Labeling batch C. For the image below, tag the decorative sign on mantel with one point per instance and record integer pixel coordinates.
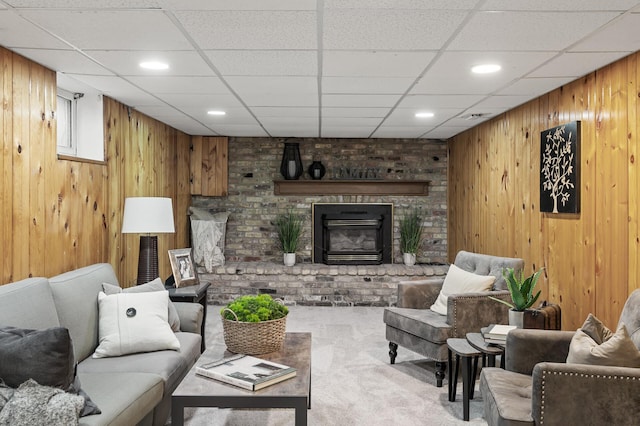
(351, 187)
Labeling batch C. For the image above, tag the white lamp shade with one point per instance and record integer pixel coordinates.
(148, 215)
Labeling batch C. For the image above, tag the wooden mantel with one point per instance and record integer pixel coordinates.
(350, 187)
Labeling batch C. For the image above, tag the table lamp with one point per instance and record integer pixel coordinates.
(148, 215)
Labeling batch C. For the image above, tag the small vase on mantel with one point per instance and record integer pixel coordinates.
(289, 259)
(316, 170)
(516, 318)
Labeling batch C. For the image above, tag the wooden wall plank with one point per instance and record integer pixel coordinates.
(591, 259)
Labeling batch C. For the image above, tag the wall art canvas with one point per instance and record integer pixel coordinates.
(559, 169)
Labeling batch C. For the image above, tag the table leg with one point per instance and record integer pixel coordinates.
(452, 395)
(177, 413)
(203, 302)
(474, 373)
(466, 382)
(492, 360)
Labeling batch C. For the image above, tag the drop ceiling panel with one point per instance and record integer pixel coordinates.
(201, 102)
(379, 85)
(110, 29)
(624, 36)
(575, 64)
(528, 31)
(127, 63)
(445, 132)
(534, 86)
(434, 102)
(346, 132)
(559, 5)
(451, 74)
(292, 130)
(118, 89)
(70, 60)
(384, 29)
(17, 32)
(83, 4)
(184, 85)
(406, 117)
(251, 29)
(350, 121)
(291, 112)
(399, 132)
(246, 130)
(240, 4)
(264, 62)
(355, 112)
(359, 100)
(375, 63)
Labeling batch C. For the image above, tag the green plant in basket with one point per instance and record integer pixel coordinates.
(521, 289)
(254, 308)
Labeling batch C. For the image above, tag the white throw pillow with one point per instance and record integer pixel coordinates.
(460, 281)
(155, 285)
(133, 322)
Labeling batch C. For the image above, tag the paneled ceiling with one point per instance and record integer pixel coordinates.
(322, 68)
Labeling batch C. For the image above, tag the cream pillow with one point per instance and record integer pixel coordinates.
(460, 281)
(155, 285)
(616, 349)
(133, 322)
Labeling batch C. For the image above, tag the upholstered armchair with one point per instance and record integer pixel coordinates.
(539, 387)
(413, 325)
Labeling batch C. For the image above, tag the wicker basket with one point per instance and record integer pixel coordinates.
(254, 338)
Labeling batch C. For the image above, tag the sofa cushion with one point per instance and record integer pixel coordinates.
(630, 316)
(43, 355)
(134, 322)
(76, 298)
(595, 344)
(155, 285)
(28, 304)
(125, 398)
(459, 281)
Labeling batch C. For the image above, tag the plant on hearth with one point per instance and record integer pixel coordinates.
(289, 228)
(520, 288)
(410, 236)
(254, 308)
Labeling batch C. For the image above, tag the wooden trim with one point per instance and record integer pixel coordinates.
(80, 159)
(350, 187)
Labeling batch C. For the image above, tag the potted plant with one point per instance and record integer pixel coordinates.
(410, 236)
(289, 227)
(521, 290)
(254, 324)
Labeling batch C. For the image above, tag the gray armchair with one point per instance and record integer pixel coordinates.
(416, 327)
(537, 386)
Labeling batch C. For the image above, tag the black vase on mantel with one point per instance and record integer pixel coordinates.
(291, 165)
(316, 170)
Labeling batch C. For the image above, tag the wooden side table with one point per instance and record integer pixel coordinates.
(194, 294)
(462, 349)
(491, 351)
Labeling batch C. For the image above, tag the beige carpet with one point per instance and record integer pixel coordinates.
(352, 380)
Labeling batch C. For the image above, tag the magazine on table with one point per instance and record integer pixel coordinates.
(246, 371)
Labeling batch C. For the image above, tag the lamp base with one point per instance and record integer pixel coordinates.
(148, 259)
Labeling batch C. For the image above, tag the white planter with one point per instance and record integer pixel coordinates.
(289, 259)
(516, 318)
(409, 258)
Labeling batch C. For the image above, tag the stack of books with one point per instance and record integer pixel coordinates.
(496, 334)
(246, 371)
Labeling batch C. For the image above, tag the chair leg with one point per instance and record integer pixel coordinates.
(393, 352)
(440, 369)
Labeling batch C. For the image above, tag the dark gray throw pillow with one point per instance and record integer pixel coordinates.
(45, 356)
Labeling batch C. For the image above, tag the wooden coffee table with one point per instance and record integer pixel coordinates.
(198, 391)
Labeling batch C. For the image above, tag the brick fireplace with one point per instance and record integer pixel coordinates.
(254, 165)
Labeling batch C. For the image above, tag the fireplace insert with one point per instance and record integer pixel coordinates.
(352, 234)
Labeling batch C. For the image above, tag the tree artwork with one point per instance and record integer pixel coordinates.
(559, 175)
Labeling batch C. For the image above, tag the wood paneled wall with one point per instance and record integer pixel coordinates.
(57, 215)
(591, 259)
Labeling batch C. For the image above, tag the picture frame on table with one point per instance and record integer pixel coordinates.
(184, 270)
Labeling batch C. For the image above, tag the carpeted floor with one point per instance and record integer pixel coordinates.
(352, 380)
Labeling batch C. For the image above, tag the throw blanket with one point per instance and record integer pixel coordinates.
(35, 405)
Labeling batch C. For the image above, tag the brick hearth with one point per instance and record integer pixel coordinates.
(316, 284)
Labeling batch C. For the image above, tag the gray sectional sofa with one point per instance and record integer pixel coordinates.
(130, 389)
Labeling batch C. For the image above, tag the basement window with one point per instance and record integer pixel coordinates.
(79, 121)
(67, 116)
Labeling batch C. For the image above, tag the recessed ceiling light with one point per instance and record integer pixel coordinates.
(154, 65)
(486, 68)
(424, 114)
(216, 112)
